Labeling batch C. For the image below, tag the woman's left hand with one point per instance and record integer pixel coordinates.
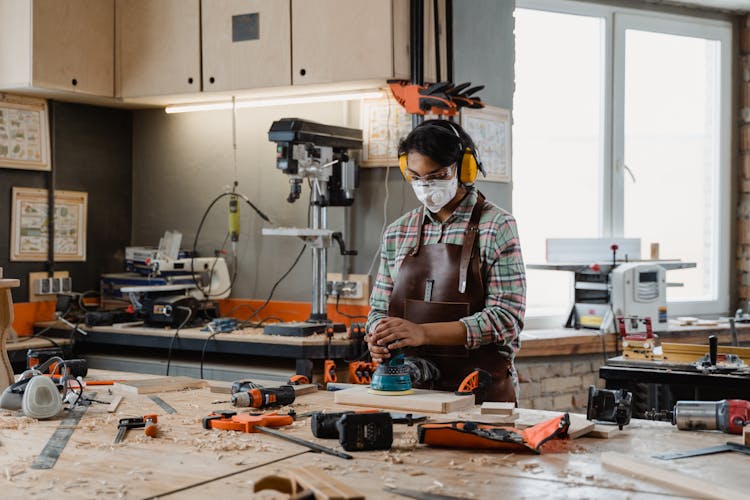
(396, 333)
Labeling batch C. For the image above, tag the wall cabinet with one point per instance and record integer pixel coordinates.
(60, 46)
(245, 44)
(158, 47)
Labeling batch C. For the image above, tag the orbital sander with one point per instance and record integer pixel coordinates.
(391, 378)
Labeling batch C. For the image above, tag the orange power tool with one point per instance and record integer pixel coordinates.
(230, 421)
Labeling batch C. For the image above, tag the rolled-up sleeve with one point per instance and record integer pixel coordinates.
(501, 320)
(381, 292)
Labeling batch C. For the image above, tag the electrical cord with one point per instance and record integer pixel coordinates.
(171, 343)
(350, 316)
(203, 351)
(275, 285)
(200, 228)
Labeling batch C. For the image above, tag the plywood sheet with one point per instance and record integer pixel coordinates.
(420, 400)
(160, 384)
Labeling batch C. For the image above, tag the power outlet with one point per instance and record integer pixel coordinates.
(354, 290)
(43, 288)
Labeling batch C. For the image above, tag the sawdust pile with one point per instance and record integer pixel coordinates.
(16, 422)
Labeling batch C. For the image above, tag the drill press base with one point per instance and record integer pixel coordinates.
(390, 393)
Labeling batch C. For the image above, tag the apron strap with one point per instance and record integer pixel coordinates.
(472, 230)
(414, 251)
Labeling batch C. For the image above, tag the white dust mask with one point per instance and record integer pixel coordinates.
(435, 194)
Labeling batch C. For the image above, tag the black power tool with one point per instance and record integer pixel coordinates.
(610, 406)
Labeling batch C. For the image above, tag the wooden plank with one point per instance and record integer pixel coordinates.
(112, 407)
(324, 486)
(691, 352)
(603, 431)
(223, 387)
(683, 483)
(420, 400)
(579, 426)
(493, 408)
(746, 435)
(160, 384)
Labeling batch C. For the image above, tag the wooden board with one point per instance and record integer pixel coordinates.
(324, 486)
(420, 400)
(691, 352)
(160, 384)
(112, 407)
(579, 426)
(604, 431)
(492, 408)
(746, 435)
(679, 482)
(222, 387)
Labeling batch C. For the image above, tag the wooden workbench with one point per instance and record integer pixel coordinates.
(184, 454)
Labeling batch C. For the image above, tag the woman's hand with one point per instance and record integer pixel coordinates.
(395, 333)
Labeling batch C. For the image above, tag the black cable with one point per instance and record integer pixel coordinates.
(171, 343)
(203, 220)
(83, 296)
(203, 351)
(275, 285)
(350, 316)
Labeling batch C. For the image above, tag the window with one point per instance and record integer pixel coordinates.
(621, 128)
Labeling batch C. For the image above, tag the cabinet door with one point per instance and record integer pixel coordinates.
(246, 44)
(341, 40)
(73, 45)
(158, 47)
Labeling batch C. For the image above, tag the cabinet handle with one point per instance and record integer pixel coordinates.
(74, 81)
(303, 72)
(211, 80)
(190, 80)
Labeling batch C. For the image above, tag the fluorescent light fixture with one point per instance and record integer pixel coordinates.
(276, 101)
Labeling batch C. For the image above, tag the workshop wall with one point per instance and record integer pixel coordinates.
(181, 162)
(93, 154)
(743, 191)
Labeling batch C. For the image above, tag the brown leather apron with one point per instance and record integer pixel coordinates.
(442, 283)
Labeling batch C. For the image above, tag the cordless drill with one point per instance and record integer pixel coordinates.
(259, 397)
(727, 415)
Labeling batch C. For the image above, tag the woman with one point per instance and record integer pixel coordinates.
(451, 286)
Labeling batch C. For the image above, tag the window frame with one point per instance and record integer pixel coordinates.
(616, 20)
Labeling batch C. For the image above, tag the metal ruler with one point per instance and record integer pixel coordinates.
(164, 405)
(710, 450)
(54, 447)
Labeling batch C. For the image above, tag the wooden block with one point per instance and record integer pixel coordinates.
(160, 384)
(221, 387)
(324, 486)
(112, 407)
(683, 483)
(579, 426)
(491, 408)
(420, 400)
(746, 434)
(603, 431)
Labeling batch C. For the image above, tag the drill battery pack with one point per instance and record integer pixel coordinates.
(479, 436)
(365, 431)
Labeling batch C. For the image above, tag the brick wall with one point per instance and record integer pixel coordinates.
(557, 383)
(743, 209)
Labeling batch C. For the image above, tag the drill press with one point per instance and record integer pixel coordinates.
(320, 154)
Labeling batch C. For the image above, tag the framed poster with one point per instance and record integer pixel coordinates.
(29, 233)
(24, 133)
(384, 124)
(490, 129)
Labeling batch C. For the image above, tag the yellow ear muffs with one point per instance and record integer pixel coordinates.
(402, 164)
(469, 167)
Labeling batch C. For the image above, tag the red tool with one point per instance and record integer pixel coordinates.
(264, 397)
(298, 380)
(231, 421)
(727, 415)
(360, 372)
(477, 383)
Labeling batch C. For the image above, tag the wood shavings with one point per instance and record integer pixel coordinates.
(16, 422)
(392, 458)
(532, 467)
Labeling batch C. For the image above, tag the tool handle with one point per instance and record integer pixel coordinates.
(274, 420)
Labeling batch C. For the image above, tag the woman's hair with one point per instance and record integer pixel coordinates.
(440, 140)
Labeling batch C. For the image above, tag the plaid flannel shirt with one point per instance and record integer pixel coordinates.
(501, 320)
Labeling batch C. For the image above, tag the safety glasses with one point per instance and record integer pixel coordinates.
(444, 174)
